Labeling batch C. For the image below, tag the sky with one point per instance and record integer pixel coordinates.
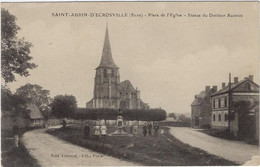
(168, 59)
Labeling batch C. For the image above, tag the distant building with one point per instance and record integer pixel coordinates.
(29, 118)
(201, 108)
(244, 90)
(109, 92)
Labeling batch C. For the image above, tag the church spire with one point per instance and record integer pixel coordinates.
(106, 59)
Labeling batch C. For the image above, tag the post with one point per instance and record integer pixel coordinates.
(229, 102)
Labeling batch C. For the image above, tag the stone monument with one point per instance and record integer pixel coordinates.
(120, 128)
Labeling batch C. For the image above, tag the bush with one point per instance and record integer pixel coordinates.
(130, 114)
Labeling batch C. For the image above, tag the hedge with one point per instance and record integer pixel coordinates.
(129, 114)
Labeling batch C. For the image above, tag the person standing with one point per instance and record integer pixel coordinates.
(144, 129)
(97, 131)
(150, 126)
(135, 129)
(156, 129)
(103, 130)
(16, 133)
(64, 123)
(86, 131)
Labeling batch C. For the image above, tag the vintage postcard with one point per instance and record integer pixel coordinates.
(129, 83)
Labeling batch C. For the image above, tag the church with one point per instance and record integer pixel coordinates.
(109, 92)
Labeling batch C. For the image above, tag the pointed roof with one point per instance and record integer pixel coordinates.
(233, 86)
(201, 96)
(126, 85)
(107, 59)
(34, 113)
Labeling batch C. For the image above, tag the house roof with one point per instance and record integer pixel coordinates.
(199, 97)
(126, 85)
(107, 59)
(233, 86)
(34, 113)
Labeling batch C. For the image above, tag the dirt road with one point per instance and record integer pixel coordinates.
(51, 151)
(236, 151)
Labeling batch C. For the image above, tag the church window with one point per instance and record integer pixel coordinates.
(113, 73)
(105, 72)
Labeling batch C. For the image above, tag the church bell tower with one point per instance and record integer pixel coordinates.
(107, 79)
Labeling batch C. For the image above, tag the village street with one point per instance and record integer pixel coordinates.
(237, 151)
(51, 151)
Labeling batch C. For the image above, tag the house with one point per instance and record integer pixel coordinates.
(29, 118)
(35, 116)
(225, 116)
(201, 108)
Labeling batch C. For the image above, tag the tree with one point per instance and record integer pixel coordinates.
(12, 102)
(172, 115)
(37, 95)
(64, 106)
(184, 118)
(128, 114)
(14, 52)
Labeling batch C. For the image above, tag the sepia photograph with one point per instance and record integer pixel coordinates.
(130, 83)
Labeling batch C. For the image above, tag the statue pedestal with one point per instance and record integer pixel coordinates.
(120, 131)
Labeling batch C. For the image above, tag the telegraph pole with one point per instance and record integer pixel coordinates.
(229, 102)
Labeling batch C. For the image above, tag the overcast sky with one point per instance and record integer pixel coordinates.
(168, 59)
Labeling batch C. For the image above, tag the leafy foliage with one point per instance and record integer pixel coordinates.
(184, 118)
(11, 102)
(172, 115)
(37, 95)
(131, 114)
(14, 52)
(242, 107)
(64, 106)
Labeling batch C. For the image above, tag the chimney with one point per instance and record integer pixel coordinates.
(207, 88)
(223, 84)
(215, 87)
(235, 80)
(251, 77)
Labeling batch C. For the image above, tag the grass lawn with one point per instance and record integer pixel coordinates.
(12, 156)
(163, 150)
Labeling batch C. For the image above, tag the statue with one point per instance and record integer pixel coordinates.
(120, 128)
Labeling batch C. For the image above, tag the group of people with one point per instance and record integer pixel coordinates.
(149, 128)
(100, 131)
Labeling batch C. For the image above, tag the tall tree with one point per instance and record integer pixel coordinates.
(37, 95)
(14, 51)
(64, 106)
(11, 102)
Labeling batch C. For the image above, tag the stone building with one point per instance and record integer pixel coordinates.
(201, 108)
(109, 92)
(244, 90)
